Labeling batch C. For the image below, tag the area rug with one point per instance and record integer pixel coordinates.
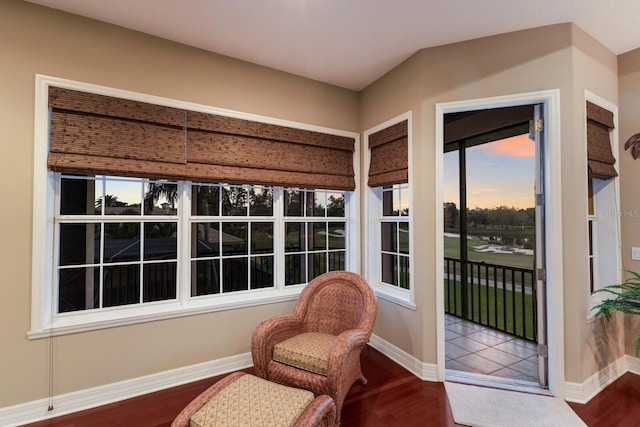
(488, 407)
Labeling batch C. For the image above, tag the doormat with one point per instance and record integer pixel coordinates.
(488, 407)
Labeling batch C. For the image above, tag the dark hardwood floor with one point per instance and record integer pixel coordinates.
(393, 397)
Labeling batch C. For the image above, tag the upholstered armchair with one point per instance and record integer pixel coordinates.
(318, 347)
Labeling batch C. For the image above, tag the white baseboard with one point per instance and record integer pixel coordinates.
(424, 371)
(97, 396)
(585, 391)
(633, 364)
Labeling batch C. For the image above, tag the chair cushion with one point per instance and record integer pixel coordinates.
(308, 351)
(253, 401)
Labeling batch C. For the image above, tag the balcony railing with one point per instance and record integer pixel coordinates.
(497, 296)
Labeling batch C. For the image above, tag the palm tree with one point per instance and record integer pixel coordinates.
(159, 190)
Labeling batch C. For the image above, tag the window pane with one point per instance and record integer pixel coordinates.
(403, 237)
(389, 236)
(295, 269)
(234, 201)
(389, 269)
(403, 272)
(122, 197)
(262, 238)
(160, 198)
(401, 201)
(205, 200)
(317, 265)
(78, 289)
(78, 197)
(205, 239)
(261, 202)
(234, 274)
(316, 203)
(234, 238)
(205, 277)
(387, 202)
(261, 272)
(121, 285)
(121, 242)
(336, 235)
(295, 237)
(318, 238)
(160, 281)
(293, 202)
(335, 204)
(79, 244)
(336, 260)
(160, 240)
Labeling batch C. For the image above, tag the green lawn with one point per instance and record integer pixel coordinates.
(452, 250)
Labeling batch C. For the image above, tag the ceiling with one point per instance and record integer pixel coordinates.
(351, 43)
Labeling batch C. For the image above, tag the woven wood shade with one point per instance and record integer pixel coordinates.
(97, 134)
(240, 151)
(600, 157)
(389, 156)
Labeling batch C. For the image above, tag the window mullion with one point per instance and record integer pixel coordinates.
(279, 238)
(185, 219)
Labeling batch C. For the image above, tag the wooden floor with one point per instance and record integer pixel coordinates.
(393, 397)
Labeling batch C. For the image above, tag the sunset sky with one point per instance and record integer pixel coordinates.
(498, 173)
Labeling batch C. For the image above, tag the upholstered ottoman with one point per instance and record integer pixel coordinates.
(241, 399)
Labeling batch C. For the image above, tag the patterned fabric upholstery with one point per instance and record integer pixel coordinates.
(252, 401)
(309, 351)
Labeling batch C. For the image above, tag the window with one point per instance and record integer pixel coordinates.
(388, 264)
(603, 213)
(117, 242)
(315, 234)
(394, 236)
(119, 239)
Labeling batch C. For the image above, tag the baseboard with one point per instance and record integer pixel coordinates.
(97, 396)
(585, 391)
(633, 364)
(424, 371)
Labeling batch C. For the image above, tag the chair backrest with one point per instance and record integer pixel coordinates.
(336, 301)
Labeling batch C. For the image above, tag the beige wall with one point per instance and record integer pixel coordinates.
(36, 40)
(629, 169)
(556, 57)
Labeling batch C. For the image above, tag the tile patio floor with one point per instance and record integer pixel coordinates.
(475, 348)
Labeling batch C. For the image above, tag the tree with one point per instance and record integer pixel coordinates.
(451, 217)
(335, 207)
(158, 190)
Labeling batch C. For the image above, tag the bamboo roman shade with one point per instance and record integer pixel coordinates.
(97, 134)
(389, 155)
(600, 157)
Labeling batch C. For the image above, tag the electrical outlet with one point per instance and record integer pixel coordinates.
(635, 254)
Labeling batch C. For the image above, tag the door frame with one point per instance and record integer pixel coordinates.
(553, 222)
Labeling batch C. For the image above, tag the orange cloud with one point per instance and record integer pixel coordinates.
(517, 146)
(484, 191)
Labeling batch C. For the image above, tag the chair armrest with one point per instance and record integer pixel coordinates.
(344, 354)
(267, 334)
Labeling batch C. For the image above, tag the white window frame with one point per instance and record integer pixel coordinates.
(373, 218)
(44, 321)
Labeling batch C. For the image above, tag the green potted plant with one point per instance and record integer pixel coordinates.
(625, 298)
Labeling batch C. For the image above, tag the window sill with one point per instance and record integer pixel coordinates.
(395, 296)
(123, 316)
